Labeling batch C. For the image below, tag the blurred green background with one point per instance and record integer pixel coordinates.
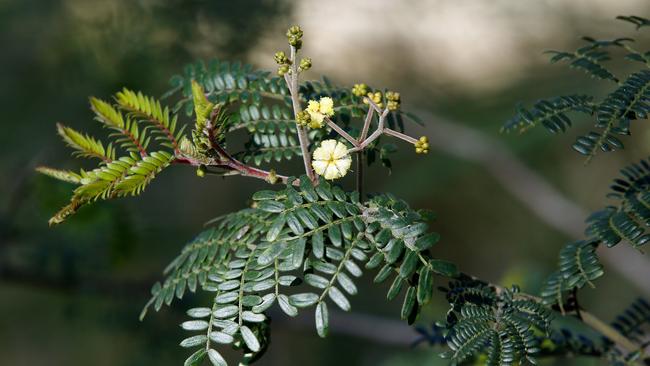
(71, 295)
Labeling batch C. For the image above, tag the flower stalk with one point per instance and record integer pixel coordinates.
(292, 83)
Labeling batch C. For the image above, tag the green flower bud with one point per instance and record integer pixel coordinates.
(294, 31)
(294, 35)
(296, 42)
(200, 171)
(305, 64)
(281, 58)
(283, 69)
(303, 118)
(272, 177)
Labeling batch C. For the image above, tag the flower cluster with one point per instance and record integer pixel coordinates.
(316, 112)
(376, 98)
(305, 64)
(360, 90)
(393, 99)
(283, 61)
(331, 160)
(422, 145)
(294, 35)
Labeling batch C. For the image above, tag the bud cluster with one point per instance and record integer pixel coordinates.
(360, 90)
(422, 145)
(294, 36)
(305, 64)
(283, 61)
(393, 99)
(376, 98)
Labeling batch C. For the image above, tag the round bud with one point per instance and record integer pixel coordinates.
(294, 31)
(280, 58)
(360, 90)
(303, 118)
(295, 41)
(200, 171)
(305, 64)
(283, 69)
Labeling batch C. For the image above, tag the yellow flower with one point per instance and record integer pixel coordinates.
(313, 106)
(316, 119)
(318, 110)
(331, 160)
(327, 106)
(360, 89)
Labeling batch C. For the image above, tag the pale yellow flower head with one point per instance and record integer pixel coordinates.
(331, 160)
(313, 106)
(318, 110)
(327, 106)
(316, 119)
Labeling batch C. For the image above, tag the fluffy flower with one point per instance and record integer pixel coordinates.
(327, 106)
(316, 119)
(318, 110)
(331, 160)
(313, 106)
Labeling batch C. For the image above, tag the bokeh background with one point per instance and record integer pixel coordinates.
(71, 295)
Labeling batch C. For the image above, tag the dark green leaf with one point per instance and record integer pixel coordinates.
(195, 358)
(339, 298)
(426, 241)
(409, 264)
(425, 285)
(444, 268)
(322, 319)
(216, 358)
(249, 338)
(303, 300)
(409, 303)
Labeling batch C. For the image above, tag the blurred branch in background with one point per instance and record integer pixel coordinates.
(531, 189)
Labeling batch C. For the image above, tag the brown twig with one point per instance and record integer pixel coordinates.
(292, 84)
(341, 132)
(360, 163)
(223, 160)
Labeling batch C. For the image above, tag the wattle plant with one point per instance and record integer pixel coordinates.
(304, 243)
